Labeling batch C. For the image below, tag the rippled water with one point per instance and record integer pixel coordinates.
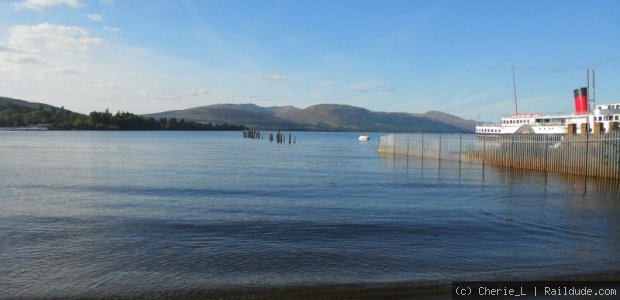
(127, 213)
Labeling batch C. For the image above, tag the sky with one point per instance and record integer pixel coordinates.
(455, 56)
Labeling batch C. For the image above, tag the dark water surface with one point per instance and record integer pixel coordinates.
(130, 213)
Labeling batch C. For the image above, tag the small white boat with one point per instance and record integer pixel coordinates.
(364, 137)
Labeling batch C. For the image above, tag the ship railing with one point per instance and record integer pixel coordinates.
(543, 116)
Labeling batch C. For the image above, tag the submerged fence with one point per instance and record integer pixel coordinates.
(587, 155)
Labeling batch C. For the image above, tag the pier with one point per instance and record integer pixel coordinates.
(279, 136)
(584, 155)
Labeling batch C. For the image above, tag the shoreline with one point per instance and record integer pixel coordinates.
(389, 291)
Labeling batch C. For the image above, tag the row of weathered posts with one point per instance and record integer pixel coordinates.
(279, 137)
(587, 155)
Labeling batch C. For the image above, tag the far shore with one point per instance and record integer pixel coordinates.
(391, 291)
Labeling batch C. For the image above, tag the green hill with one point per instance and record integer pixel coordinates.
(328, 117)
(248, 114)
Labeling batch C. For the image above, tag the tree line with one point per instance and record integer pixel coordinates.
(63, 119)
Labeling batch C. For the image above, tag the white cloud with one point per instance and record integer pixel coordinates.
(388, 88)
(40, 4)
(273, 77)
(107, 85)
(18, 58)
(61, 70)
(6, 49)
(167, 97)
(198, 92)
(95, 17)
(111, 29)
(58, 38)
(371, 86)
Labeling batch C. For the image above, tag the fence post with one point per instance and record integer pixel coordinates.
(546, 153)
(407, 146)
(460, 150)
(394, 148)
(587, 153)
(422, 150)
(484, 154)
(439, 152)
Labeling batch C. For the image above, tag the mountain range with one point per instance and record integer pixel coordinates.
(328, 117)
(325, 117)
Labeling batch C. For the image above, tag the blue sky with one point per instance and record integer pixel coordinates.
(407, 56)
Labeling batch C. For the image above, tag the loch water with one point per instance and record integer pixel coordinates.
(96, 214)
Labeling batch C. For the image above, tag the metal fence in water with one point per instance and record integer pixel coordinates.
(587, 155)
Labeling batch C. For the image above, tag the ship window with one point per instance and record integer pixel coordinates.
(616, 117)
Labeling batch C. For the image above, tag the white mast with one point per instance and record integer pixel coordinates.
(514, 90)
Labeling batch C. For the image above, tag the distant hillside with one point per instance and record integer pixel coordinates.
(21, 104)
(16, 113)
(248, 114)
(285, 112)
(327, 117)
(467, 125)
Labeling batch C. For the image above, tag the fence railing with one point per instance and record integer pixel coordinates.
(587, 155)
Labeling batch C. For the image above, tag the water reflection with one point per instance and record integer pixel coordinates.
(570, 218)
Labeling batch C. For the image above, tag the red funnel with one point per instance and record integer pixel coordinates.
(581, 101)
